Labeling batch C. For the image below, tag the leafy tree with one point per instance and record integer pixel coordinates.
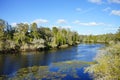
(34, 31)
(69, 37)
(118, 35)
(2, 27)
(46, 34)
(20, 33)
(55, 30)
(54, 38)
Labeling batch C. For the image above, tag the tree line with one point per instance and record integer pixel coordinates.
(26, 37)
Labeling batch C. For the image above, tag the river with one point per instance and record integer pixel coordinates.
(11, 63)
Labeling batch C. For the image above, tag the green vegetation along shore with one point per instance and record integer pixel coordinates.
(24, 37)
(107, 66)
(27, 37)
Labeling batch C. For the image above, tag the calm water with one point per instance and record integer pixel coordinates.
(10, 63)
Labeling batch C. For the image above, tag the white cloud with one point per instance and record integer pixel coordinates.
(61, 27)
(66, 26)
(86, 10)
(78, 9)
(115, 12)
(114, 1)
(106, 9)
(87, 23)
(95, 1)
(76, 22)
(61, 21)
(13, 24)
(26, 22)
(111, 29)
(40, 21)
(90, 23)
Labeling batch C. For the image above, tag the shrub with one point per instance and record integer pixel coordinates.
(108, 64)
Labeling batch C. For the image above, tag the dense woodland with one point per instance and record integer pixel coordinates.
(26, 37)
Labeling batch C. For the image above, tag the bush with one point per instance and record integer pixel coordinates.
(108, 64)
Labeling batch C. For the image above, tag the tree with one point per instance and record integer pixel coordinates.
(69, 37)
(54, 38)
(118, 35)
(2, 28)
(20, 33)
(34, 31)
(2, 32)
(46, 33)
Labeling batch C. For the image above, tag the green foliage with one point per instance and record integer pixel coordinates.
(118, 35)
(34, 31)
(20, 33)
(46, 34)
(2, 34)
(24, 36)
(32, 37)
(104, 38)
(63, 37)
(2, 27)
(108, 64)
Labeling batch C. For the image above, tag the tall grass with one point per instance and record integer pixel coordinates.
(108, 64)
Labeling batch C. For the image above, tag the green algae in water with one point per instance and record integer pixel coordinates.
(45, 72)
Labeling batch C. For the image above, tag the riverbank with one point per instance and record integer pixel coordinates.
(107, 63)
(32, 48)
(28, 48)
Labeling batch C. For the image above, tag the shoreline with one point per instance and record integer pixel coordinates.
(18, 51)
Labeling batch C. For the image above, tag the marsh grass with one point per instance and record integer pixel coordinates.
(107, 65)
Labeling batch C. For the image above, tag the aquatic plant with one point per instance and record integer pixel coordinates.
(56, 71)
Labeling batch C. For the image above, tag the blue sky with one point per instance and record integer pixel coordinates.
(83, 16)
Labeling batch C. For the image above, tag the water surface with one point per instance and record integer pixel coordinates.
(11, 63)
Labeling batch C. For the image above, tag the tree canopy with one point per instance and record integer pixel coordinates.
(33, 37)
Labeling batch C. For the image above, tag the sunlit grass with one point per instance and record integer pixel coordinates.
(108, 64)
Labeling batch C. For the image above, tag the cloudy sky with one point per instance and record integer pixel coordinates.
(83, 16)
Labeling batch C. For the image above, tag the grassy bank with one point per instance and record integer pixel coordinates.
(108, 64)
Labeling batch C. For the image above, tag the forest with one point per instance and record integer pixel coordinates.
(27, 37)
(24, 37)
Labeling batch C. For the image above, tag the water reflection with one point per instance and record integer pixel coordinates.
(68, 70)
(10, 63)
